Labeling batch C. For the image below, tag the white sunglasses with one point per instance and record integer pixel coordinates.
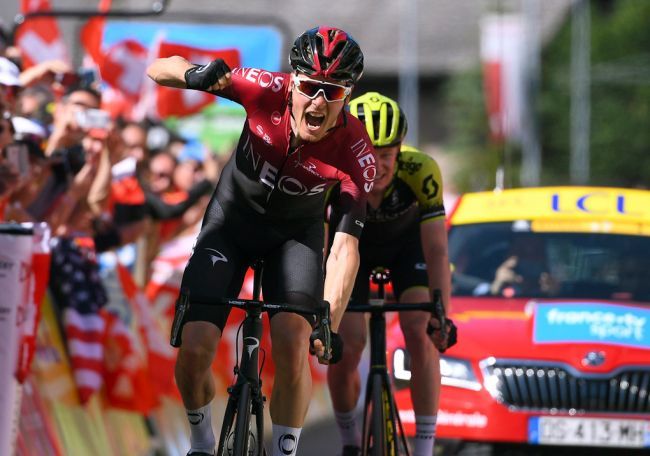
(311, 88)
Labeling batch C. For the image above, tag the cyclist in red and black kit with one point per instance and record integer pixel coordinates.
(297, 142)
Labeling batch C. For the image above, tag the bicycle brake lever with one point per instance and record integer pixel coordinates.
(440, 313)
(326, 323)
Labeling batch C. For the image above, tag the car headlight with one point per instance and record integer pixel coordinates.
(459, 373)
(454, 372)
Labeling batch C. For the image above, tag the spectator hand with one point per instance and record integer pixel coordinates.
(44, 72)
(215, 75)
(506, 275)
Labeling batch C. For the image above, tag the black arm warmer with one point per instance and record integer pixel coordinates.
(159, 210)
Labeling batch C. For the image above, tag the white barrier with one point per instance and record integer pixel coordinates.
(15, 263)
(18, 316)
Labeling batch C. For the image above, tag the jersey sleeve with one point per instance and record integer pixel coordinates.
(423, 175)
(355, 184)
(251, 86)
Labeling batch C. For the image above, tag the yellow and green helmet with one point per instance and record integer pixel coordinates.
(382, 116)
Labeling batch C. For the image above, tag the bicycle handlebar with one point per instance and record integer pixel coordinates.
(397, 307)
(321, 315)
(435, 307)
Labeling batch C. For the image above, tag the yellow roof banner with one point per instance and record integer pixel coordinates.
(576, 209)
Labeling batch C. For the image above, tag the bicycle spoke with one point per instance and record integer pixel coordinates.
(227, 428)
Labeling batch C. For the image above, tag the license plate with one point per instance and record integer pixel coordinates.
(546, 430)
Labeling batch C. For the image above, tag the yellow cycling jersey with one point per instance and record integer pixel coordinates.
(417, 182)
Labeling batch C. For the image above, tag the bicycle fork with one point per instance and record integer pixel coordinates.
(379, 386)
(246, 394)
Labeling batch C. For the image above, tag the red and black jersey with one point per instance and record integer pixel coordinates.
(285, 184)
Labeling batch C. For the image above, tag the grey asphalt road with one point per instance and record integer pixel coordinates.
(322, 439)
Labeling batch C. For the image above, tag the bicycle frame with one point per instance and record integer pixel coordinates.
(245, 395)
(381, 419)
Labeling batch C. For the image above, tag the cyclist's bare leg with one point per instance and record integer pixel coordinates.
(292, 383)
(343, 377)
(344, 380)
(425, 368)
(194, 380)
(195, 357)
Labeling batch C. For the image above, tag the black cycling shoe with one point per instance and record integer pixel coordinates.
(351, 450)
(199, 453)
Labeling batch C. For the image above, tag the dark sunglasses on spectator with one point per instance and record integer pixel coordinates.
(67, 79)
(161, 174)
(311, 88)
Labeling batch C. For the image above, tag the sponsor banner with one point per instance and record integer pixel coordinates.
(15, 264)
(259, 46)
(565, 209)
(592, 323)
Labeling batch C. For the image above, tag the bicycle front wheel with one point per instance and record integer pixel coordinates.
(226, 437)
(243, 422)
(379, 428)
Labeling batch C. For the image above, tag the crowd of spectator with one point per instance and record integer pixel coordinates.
(99, 180)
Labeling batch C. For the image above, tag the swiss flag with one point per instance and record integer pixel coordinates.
(124, 66)
(117, 104)
(175, 102)
(126, 376)
(92, 33)
(39, 39)
(161, 357)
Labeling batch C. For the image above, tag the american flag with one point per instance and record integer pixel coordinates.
(80, 295)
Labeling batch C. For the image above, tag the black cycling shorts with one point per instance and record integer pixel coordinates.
(231, 239)
(403, 257)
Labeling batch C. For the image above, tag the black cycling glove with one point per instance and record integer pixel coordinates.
(443, 343)
(336, 345)
(203, 77)
(337, 348)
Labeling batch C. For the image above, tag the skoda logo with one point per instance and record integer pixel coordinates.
(593, 359)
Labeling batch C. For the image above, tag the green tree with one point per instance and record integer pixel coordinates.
(620, 106)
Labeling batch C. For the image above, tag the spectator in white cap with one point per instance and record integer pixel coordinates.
(28, 129)
(9, 84)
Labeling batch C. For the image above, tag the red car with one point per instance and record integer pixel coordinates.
(551, 296)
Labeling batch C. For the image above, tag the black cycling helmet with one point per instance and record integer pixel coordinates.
(328, 52)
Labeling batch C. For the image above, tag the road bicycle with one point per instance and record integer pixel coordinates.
(383, 433)
(242, 429)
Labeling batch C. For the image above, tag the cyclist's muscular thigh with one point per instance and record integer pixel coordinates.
(425, 360)
(354, 333)
(414, 324)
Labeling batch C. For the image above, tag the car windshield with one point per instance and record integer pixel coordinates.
(508, 260)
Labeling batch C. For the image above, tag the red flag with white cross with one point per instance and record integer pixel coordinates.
(40, 39)
(175, 102)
